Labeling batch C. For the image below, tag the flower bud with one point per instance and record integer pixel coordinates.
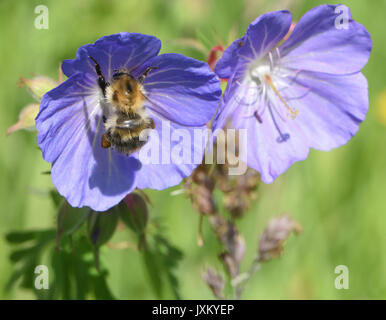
(101, 226)
(70, 218)
(272, 240)
(234, 243)
(202, 190)
(26, 119)
(135, 214)
(38, 86)
(215, 282)
(239, 190)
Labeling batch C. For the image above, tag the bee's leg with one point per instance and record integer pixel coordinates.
(105, 142)
(101, 79)
(142, 78)
(151, 122)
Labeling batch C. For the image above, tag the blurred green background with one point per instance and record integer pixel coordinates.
(338, 197)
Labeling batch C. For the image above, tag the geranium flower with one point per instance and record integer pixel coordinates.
(301, 93)
(70, 125)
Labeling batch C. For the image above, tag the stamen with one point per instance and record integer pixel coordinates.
(293, 112)
(271, 60)
(279, 57)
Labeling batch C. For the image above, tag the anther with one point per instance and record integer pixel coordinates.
(292, 112)
(257, 117)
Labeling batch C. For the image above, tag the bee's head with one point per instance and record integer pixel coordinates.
(124, 92)
(118, 73)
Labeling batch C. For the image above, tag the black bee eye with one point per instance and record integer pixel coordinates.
(129, 89)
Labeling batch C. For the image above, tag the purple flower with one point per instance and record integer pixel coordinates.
(306, 92)
(179, 90)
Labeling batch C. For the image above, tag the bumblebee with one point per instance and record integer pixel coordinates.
(125, 117)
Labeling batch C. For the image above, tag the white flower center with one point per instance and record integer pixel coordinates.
(260, 72)
(263, 84)
(264, 74)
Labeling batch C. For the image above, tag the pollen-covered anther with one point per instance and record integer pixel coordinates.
(293, 112)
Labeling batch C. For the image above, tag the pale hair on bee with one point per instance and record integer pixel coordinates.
(125, 118)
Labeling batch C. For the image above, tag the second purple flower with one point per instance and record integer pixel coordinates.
(301, 93)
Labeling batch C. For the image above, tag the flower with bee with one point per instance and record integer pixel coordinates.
(298, 92)
(92, 126)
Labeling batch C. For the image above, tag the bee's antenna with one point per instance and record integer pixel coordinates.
(144, 75)
(101, 79)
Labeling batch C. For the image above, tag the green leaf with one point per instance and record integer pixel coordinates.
(134, 214)
(153, 266)
(75, 274)
(161, 259)
(61, 286)
(101, 289)
(26, 258)
(20, 236)
(41, 236)
(21, 254)
(171, 257)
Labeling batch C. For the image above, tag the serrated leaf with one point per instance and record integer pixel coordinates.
(21, 254)
(27, 258)
(153, 266)
(171, 256)
(161, 259)
(17, 237)
(20, 236)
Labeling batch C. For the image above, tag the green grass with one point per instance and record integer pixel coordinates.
(338, 197)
